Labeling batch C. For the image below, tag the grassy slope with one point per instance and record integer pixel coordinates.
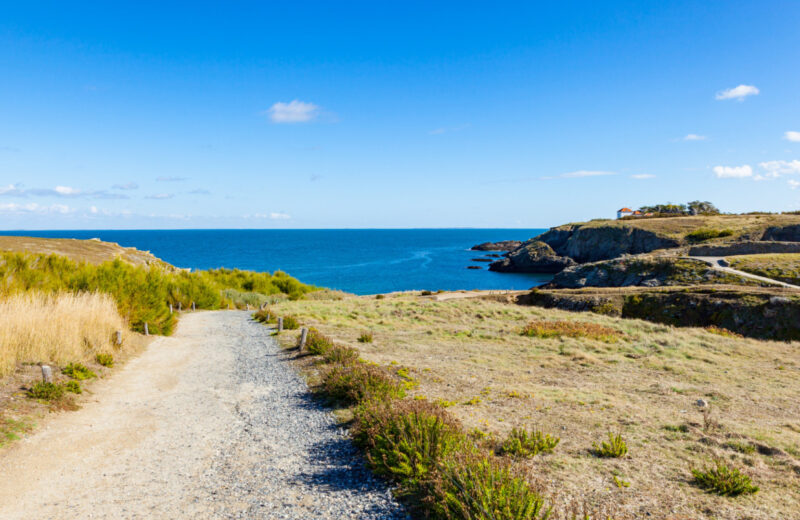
(580, 389)
(678, 227)
(92, 251)
(783, 267)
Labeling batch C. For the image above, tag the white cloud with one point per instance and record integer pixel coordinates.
(738, 93)
(11, 190)
(794, 184)
(292, 112)
(585, 173)
(641, 176)
(777, 168)
(93, 209)
(733, 172)
(792, 136)
(66, 191)
(695, 137)
(279, 216)
(160, 196)
(33, 207)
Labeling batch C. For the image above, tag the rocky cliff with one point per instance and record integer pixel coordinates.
(533, 257)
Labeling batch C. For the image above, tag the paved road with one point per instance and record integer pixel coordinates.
(208, 423)
(715, 262)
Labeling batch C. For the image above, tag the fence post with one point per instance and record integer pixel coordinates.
(303, 337)
(170, 308)
(247, 306)
(193, 307)
(280, 324)
(146, 330)
(47, 374)
(268, 317)
(119, 338)
(180, 306)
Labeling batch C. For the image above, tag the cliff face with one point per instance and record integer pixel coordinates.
(783, 233)
(564, 246)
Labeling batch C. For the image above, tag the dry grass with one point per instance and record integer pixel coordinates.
(92, 251)
(784, 267)
(643, 386)
(58, 329)
(570, 329)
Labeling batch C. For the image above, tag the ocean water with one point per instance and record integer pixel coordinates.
(360, 261)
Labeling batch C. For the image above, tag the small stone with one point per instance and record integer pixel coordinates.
(701, 403)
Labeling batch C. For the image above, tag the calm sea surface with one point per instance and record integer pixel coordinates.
(361, 261)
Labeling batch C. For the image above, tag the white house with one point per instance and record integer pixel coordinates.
(624, 212)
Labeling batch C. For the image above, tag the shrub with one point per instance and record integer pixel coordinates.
(47, 391)
(572, 329)
(353, 383)
(407, 440)
(106, 360)
(78, 371)
(261, 315)
(614, 448)
(365, 337)
(341, 354)
(713, 329)
(379, 296)
(73, 387)
(723, 480)
(425, 293)
(477, 487)
(525, 444)
(703, 234)
(317, 343)
(290, 323)
(607, 309)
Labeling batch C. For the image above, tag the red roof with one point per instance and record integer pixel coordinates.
(625, 210)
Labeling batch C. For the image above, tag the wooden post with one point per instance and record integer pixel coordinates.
(47, 374)
(146, 330)
(268, 317)
(170, 308)
(180, 306)
(303, 337)
(193, 307)
(247, 306)
(119, 338)
(280, 324)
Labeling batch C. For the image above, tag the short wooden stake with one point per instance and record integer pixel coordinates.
(47, 374)
(280, 324)
(180, 306)
(146, 330)
(303, 337)
(118, 341)
(193, 307)
(170, 308)
(247, 306)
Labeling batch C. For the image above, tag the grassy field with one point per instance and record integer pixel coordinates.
(783, 267)
(680, 227)
(582, 376)
(92, 251)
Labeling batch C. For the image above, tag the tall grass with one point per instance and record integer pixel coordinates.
(142, 293)
(56, 328)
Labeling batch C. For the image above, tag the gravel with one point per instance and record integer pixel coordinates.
(208, 423)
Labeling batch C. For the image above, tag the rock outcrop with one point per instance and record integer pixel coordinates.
(506, 245)
(533, 257)
(782, 233)
(745, 248)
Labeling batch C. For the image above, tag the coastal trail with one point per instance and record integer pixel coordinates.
(716, 262)
(208, 423)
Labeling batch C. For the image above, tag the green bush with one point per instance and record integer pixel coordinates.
(46, 391)
(723, 480)
(475, 487)
(703, 234)
(614, 448)
(341, 354)
(317, 343)
(106, 360)
(356, 382)
(262, 314)
(78, 371)
(73, 387)
(425, 293)
(290, 323)
(365, 337)
(526, 444)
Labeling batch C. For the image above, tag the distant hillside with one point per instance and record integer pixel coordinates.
(607, 239)
(92, 251)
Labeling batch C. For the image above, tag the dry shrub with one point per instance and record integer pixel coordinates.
(57, 329)
(356, 382)
(719, 331)
(570, 329)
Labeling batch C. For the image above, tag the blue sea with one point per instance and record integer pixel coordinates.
(360, 261)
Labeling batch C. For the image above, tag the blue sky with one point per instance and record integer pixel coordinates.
(378, 114)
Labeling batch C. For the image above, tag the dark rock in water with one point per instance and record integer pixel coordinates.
(474, 267)
(505, 245)
(783, 233)
(494, 255)
(482, 260)
(532, 257)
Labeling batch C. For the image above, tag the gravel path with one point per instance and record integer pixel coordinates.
(714, 262)
(209, 423)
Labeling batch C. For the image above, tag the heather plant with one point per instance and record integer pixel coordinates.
(73, 387)
(317, 343)
(365, 337)
(46, 391)
(290, 323)
(78, 371)
(353, 383)
(615, 447)
(723, 480)
(104, 359)
(525, 444)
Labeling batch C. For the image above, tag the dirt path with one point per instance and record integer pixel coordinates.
(209, 423)
(714, 261)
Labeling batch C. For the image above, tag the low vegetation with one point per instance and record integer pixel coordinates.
(645, 385)
(724, 480)
(525, 444)
(78, 371)
(570, 329)
(782, 267)
(615, 447)
(703, 234)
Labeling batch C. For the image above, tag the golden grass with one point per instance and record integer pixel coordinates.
(784, 267)
(643, 386)
(570, 329)
(92, 251)
(59, 329)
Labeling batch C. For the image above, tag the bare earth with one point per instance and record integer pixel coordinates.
(208, 423)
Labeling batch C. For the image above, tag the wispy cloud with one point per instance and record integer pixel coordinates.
(279, 216)
(792, 136)
(127, 186)
(16, 190)
(170, 179)
(775, 169)
(292, 112)
(585, 173)
(160, 196)
(642, 176)
(275, 215)
(738, 93)
(200, 191)
(13, 208)
(794, 184)
(694, 137)
(733, 172)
